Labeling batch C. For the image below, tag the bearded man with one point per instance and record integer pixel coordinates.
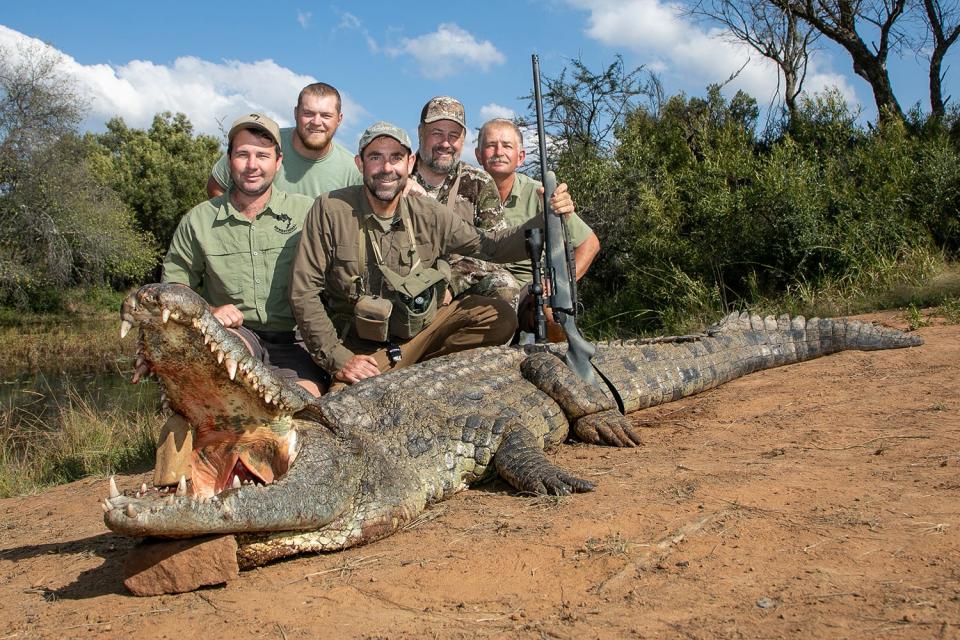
(314, 162)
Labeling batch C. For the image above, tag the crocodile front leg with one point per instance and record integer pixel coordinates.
(521, 462)
(593, 414)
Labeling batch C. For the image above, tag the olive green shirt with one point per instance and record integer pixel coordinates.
(228, 259)
(523, 204)
(325, 280)
(299, 174)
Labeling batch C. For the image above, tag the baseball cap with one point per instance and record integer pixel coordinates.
(256, 121)
(382, 128)
(443, 108)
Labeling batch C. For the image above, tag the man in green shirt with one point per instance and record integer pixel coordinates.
(313, 163)
(500, 151)
(235, 250)
(363, 246)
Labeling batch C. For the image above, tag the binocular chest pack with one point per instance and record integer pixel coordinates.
(411, 301)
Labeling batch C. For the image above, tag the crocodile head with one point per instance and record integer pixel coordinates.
(247, 432)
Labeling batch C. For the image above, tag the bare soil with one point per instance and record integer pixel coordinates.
(819, 500)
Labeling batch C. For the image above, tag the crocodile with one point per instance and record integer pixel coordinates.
(286, 473)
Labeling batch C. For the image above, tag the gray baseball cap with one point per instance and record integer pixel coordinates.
(382, 128)
(257, 121)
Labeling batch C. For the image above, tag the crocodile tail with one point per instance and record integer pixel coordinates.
(643, 375)
(810, 338)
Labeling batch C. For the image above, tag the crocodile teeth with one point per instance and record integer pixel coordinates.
(107, 504)
(106, 509)
(196, 323)
(114, 492)
(268, 398)
(143, 487)
(165, 315)
(219, 357)
(206, 338)
(125, 326)
(182, 486)
(131, 511)
(231, 365)
(142, 370)
(236, 482)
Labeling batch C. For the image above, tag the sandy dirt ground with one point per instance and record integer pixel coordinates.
(819, 500)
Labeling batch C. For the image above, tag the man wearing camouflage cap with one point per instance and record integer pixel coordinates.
(466, 190)
(232, 250)
(369, 245)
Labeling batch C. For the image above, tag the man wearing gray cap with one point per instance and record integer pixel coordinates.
(364, 287)
(235, 251)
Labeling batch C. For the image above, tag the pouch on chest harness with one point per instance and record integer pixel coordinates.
(409, 303)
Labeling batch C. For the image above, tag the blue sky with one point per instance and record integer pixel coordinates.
(216, 60)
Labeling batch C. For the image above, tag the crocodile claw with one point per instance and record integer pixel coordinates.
(609, 427)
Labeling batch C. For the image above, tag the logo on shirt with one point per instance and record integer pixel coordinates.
(285, 224)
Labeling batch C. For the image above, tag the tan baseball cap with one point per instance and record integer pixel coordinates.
(256, 121)
(443, 108)
(382, 128)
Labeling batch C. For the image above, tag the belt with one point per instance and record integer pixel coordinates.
(277, 337)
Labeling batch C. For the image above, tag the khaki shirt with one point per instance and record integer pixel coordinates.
(324, 281)
(524, 204)
(228, 259)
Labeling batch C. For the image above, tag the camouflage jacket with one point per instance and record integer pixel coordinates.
(478, 200)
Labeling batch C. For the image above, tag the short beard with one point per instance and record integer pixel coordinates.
(262, 189)
(315, 147)
(384, 194)
(442, 166)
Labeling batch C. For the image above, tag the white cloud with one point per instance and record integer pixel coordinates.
(351, 22)
(447, 51)
(494, 110)
(678, 46)
(208, 92)
(303, 17)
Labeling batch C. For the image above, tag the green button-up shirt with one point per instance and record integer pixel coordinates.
(228, 259)
(523, 204)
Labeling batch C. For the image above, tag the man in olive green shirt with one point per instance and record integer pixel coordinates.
(313, 162)
(355, 237)
(500, 151)
(235, 251)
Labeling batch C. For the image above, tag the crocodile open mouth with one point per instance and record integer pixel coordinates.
(221, 461)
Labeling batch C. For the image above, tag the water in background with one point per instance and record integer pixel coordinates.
(44, 395)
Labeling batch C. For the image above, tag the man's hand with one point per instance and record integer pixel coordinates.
(228, 315)
(560, 202)
(357, 368)
(413, 188)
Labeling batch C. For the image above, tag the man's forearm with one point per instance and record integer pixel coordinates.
(584, 254)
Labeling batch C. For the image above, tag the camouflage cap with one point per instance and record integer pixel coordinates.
(256, 121)
(443, 108)
(382, 128)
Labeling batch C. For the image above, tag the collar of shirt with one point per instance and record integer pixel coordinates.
(447, 180)
(227, 210)
(366, 211)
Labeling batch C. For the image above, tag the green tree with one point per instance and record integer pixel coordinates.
(160, 172)
(59, 225)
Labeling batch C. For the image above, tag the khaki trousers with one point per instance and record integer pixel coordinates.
(468, 322)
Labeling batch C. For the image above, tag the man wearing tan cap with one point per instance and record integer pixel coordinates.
(235, 251)
(314, 162)
(365, 290)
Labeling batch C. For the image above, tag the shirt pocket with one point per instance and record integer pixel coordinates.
(343, 270)
(279, 257)
(224, 277)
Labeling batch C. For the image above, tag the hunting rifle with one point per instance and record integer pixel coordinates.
(560, 268)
